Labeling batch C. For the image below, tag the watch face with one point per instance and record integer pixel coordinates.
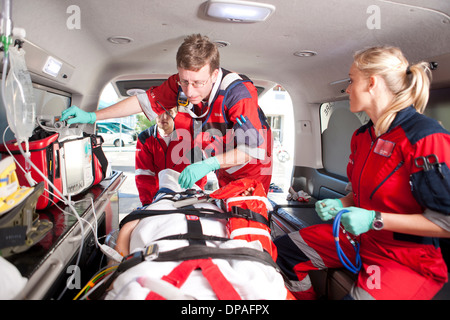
(378, 225)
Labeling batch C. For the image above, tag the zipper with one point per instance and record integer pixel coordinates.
(385, 179)
(364, 166)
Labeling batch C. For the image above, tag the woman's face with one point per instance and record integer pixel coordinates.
(358, 90)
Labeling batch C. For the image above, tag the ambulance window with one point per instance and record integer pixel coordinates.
(275, 125)
(277, 106)
(337, 127)
(439, 106)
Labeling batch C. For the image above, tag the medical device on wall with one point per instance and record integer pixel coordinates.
(75, 159)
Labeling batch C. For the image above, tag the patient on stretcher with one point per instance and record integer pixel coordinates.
(213, 255)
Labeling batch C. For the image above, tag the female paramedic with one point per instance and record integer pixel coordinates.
(219, 111)
(156, 150)
(394, 214)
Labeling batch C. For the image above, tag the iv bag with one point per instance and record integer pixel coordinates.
(20, 104)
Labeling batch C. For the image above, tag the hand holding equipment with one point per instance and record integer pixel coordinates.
(356, 267)
(78, 116)
(357, 220)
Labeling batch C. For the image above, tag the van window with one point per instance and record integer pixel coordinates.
(109, 97)
(49, 102)
(337, 126)
(277, 106)
(438, 106)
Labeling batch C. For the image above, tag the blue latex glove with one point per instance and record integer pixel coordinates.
(194, 172)
(79, 116)
(357, 220)
(328, 208)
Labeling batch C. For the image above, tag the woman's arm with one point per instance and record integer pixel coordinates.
(415, 224)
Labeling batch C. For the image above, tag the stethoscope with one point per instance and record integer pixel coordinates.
(354, 268)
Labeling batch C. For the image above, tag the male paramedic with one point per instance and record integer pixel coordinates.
(219, 111)
(154, 148)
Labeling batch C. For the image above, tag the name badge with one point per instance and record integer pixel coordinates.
(384, 148)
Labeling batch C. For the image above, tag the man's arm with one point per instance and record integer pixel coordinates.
(121, 109)
(234, 157)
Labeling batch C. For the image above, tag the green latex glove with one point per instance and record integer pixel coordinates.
(79, 116)
(357, 220)
(194, 172)
(328, 208)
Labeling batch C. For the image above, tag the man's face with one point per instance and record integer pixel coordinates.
(165, 121)
(197, 85)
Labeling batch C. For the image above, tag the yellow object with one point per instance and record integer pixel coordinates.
(11, 194)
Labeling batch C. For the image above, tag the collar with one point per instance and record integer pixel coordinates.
(403, 116)
(212, 96)
(173, 135)
(215, 88)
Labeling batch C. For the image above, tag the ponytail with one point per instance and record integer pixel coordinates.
(409, 84)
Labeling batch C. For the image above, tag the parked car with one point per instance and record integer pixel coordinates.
(112, 137)
(115, 126)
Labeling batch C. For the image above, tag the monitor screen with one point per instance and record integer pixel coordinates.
(76, 165)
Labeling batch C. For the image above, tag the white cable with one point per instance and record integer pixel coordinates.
(110, 252)
(67, 203)
(28, 160)
(107, 250)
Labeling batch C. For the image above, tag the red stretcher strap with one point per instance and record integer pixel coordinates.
(220, 285)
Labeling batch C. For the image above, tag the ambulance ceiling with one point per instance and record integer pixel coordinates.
(334, 29)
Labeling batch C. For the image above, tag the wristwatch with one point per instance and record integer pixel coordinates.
(377, 223)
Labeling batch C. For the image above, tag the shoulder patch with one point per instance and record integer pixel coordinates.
(144, 135)
(420, 126)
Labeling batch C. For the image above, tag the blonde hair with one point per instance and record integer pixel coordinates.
(409, 84)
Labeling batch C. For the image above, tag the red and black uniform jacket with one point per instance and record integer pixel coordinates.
(383, 171)
(230, 119)
(154, 155)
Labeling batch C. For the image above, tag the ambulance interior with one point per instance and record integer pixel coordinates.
(76, 49)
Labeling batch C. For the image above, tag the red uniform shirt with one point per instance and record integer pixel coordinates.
(233, 98)
(380, 167)
(153, 154)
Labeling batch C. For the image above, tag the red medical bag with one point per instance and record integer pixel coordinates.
(46, 154)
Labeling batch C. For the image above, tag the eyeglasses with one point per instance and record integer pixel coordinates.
(195, 84)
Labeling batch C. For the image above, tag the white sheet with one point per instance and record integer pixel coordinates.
(252, 280)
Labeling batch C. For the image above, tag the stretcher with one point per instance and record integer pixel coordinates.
(204, 250)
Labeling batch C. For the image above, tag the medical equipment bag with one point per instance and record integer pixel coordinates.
(72, 165)
(431, 187)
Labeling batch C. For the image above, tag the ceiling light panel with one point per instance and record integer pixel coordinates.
(239, 11)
